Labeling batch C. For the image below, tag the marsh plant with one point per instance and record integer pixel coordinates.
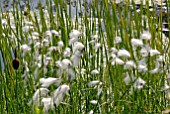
(78, 56)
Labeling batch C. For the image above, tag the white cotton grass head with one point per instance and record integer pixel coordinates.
(67, 52)
(39, 93)
(129, 65)
(65, 63)
(48, 104)
(4, 22)
(72, 41)
(48, 34)
(142, 68)
(29, 23)
(59, 93)
(123, 53)
(145, 35)
(27, 28)
(13, 27)
(47, 60)
(75, 60)
(75, 33)
(56, 33)
(83, 71)
(93, 83)
(60, 44)
(78, 53)
(95, 36)
(78, 46)
(39, 58)
(92, 41)
(153, 52)
(91, 112)
(58, 63)
(94, 102)
(45, 42)
(144, 52)
(160, 58)
(113, 50)
(136, 42)
(117, 61)
(35, 34)
(52, 48)
(25, 48)
(117, 40)
(46, 82)
(139, 83)
(95, 71)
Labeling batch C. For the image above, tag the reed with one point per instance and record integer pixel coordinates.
(85, 57)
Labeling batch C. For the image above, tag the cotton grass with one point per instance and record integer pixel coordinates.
(85, 57)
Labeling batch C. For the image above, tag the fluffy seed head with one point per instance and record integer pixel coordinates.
(145, 35)
(75, 34)
(136, 42)
(123, 53)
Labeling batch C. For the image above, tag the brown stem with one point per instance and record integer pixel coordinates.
(15, 53)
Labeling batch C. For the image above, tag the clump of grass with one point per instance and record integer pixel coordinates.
(99, 57)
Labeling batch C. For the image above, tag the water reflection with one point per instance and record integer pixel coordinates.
(6, 5)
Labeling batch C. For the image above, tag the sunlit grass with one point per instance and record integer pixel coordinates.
(106, 57)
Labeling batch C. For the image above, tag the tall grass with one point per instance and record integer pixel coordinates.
(94, 77)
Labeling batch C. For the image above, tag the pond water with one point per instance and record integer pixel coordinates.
(7, 4)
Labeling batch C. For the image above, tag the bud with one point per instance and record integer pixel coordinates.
(15, 62)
